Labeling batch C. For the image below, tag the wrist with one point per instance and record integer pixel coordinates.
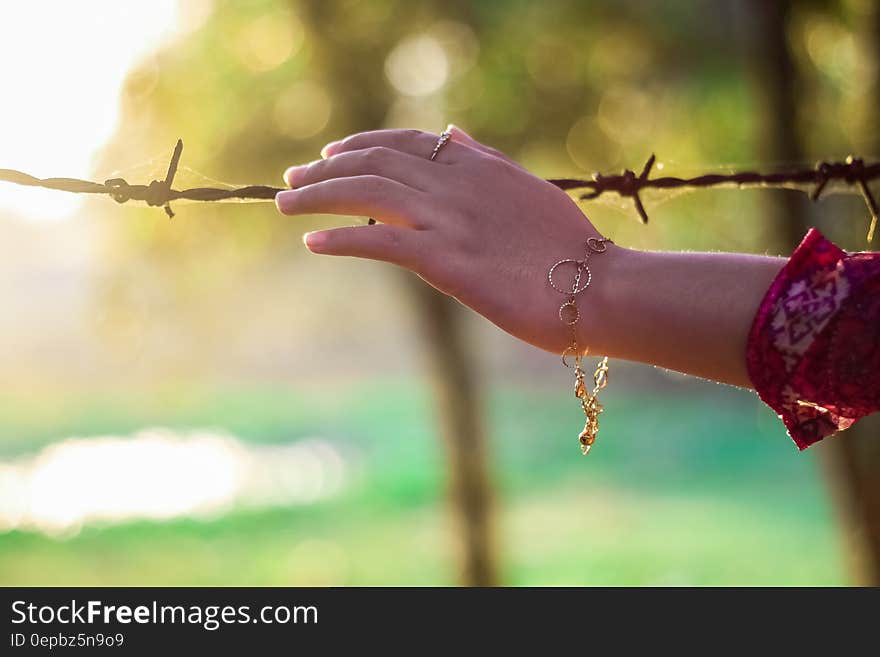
(599, 305)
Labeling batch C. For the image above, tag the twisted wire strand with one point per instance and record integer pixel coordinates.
(852, 171)
(160, 193)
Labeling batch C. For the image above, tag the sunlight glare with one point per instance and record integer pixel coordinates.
(158, 474)
(63, 65)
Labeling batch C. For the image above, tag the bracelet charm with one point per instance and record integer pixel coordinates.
(569, 314)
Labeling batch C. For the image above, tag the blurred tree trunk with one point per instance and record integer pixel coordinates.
(776, 87)
(359, 86)
(459, 407)
(851, 460)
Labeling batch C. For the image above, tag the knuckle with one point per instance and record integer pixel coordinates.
(314, 171)
(373, 183)
(391, 240)
(373, 157)
(351, 142)
(316, 193)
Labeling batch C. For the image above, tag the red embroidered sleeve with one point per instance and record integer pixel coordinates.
(813, 351)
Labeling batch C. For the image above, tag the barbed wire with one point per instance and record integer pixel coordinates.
(852, 171)
(160, 193)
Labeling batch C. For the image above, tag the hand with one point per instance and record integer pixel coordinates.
(472, 223)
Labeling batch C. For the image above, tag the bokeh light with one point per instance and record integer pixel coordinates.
(417, 66)
(160, 475)
(266, 42)
(302, 110)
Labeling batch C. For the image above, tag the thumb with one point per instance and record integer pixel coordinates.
(460, 136)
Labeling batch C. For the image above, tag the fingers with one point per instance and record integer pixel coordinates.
(387, 243)
(464, 138)
(408, 169)
(374, 196)
(414, 142)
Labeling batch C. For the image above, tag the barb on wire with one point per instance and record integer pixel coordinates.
(853, 171)
(160, 193)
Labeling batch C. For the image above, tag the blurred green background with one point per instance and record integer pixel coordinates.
(201, 401)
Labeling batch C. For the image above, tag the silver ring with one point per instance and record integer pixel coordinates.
(445, 136)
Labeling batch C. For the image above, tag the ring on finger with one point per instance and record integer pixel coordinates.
(444, 137)
(442, 140)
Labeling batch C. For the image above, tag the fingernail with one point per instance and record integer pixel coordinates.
(284, 200)
(325, 152)
(313, 240)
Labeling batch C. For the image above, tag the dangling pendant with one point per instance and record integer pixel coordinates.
(586, 439)
(592, 409)
(590, 403)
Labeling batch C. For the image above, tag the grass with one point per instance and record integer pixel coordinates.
(697, 488)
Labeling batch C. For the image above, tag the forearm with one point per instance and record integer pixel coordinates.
(484, 230)
(690, 312)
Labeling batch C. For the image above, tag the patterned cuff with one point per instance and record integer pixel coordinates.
(791, 346)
